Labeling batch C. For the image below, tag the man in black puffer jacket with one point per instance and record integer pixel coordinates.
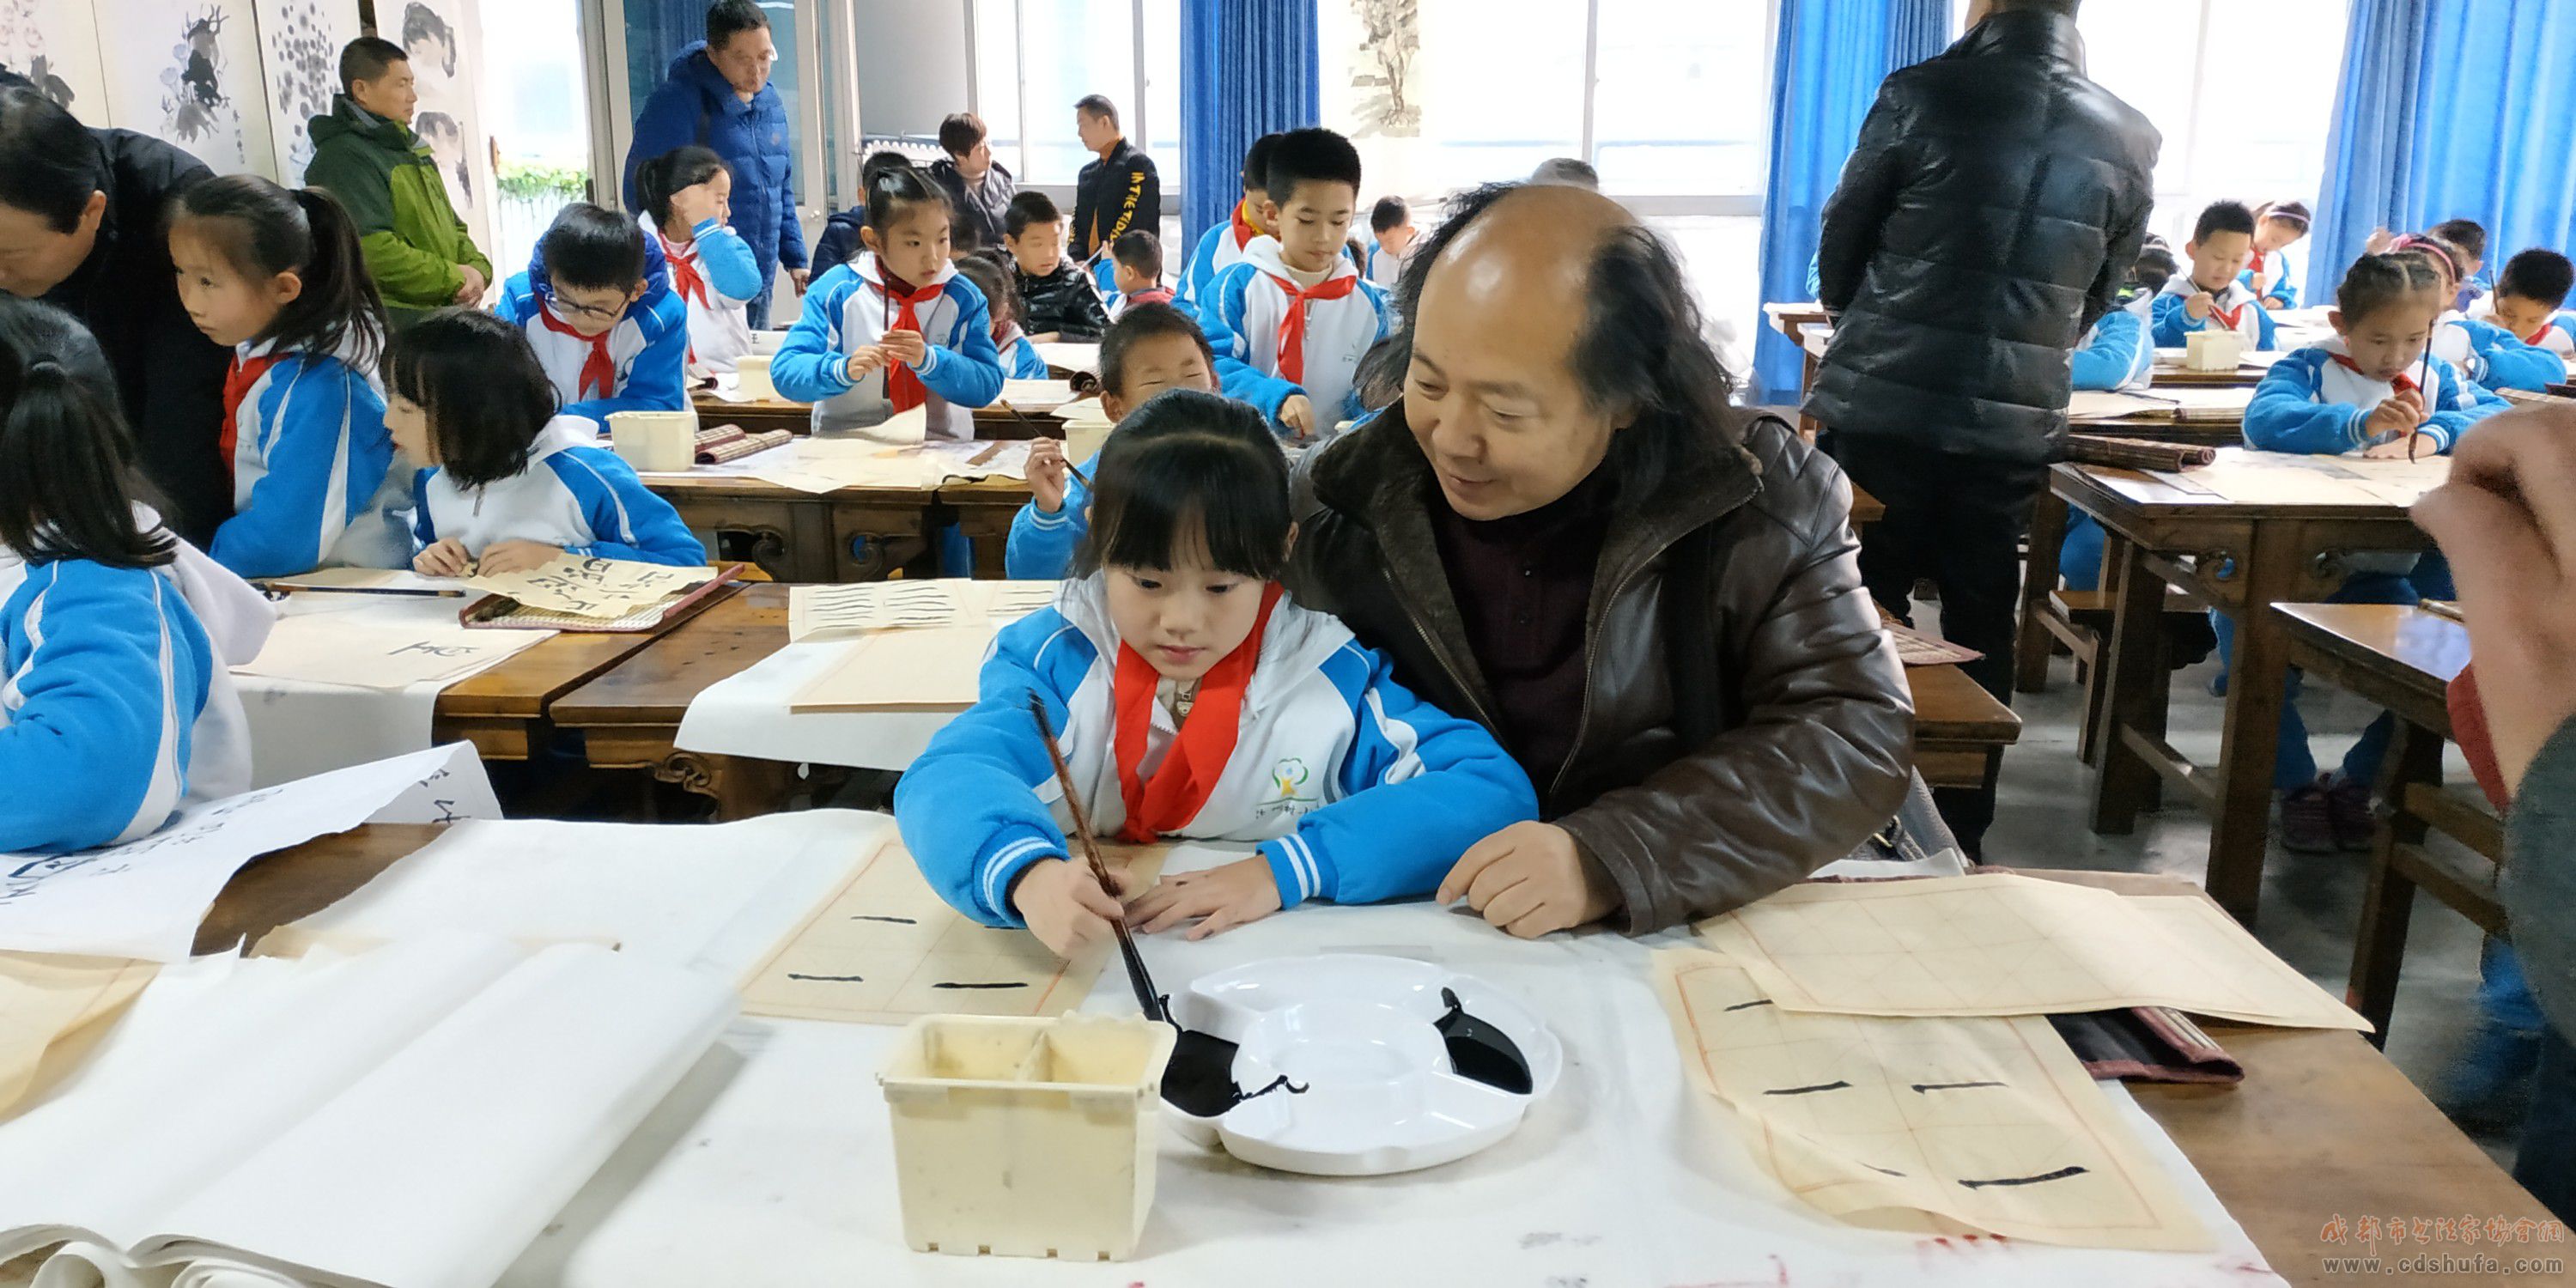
(1987, 215)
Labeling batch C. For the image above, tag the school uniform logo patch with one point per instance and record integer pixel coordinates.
(1288, 776)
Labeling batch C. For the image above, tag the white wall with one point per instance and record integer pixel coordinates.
(912, 58)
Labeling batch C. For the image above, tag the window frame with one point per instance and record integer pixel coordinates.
(1135, 105)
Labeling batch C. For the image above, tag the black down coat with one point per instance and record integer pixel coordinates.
(1986, 219)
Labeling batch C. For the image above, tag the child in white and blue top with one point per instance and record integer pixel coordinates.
(277, 275)
(2274, 274)
(688, 195)
(2528, 296)
(1190, 698)
(598, 311)
(2487, 353)
(1291, 321)
(2207, 296)
(1150, 348)
(1391, 237)
(1001, 288)
(896, 327)
(2373, 391)
(2117, 354)
(513, 484)
(105, 669)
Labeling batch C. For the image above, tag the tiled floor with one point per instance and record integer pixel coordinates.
(2311, 904)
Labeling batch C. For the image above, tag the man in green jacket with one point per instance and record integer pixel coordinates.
(365, 153)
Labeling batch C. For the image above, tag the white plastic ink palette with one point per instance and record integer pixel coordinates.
(1362, 1065)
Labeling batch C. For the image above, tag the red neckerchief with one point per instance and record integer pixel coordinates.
(2257, 265)
(1292, 323)
(1199, 752)
(1244, 229)
(597, 371)
(2536, 337)
(2403, 381)
(904, 389)
(2228, 316)
(685, 278)
(238, 379)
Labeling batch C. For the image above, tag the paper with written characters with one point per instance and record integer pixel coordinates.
(1995, 943)
(375, 651)
(2285, 478)
(43, 998)
(143, 899)
(602, 588)
(817, 612)
(885, 948)
(1992, 1123)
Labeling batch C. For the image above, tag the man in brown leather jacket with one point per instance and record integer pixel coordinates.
(1559, 528)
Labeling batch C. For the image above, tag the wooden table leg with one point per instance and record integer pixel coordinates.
(740, 786)
(2257, 681)
(2124, 666)
(2379, 946)
(2039, 579)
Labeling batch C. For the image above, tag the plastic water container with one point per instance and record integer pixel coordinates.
(1026, 1137)
(655, 442)
(751, 377)
(2214, 350)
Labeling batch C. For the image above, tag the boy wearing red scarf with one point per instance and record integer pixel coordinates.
(597, 306)
(1192, 699)
(1221, 247)
(1291, 320)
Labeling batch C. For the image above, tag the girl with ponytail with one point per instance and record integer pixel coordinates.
(109, 668)
(688, 196)
(277, 275)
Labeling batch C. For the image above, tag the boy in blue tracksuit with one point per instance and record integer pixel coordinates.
(2208, 296)
(1190, 698)
(511, 484)
(2495, 358)
(1292, 319)
(895, 328)
(1221, 247)
(2373, 392)
(598, 309)
(2117, 354)
(1150, 348)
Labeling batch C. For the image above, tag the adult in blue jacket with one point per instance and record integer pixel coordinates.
(718, 95)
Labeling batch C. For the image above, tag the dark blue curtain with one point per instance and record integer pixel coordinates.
(1247, 67)
(1824, 76)
(2451, 109)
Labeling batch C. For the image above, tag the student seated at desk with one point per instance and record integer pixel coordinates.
(1292, 320)
(2117, 354)
(1019, 355)
(597, 307)
(1152, 348)
(2486, 353)
(2469, 237)
(1221, 247)
(278, 277)
(109, 668)
(2271, 273)
(1136, 264)
(1391, 235)
(2208, 297)
(511, 483)
(1062, 300)
(688, 196)
(895, 328)
(2372, 391)
(1191, 700)
(2527, 298)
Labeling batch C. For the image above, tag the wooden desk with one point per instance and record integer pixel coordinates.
(806, 536)
(629, 717)
(759, 415)
(2403, 658)
(275, 889)
(502, 710)
(2239, 558)
(1960, 730)
(2323, 1126)
(983, 509)
(1807, 326)
(1866, 509)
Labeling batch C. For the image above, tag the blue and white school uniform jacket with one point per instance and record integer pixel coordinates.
(2116, 353)
(103, 674)
(2310, 403)
(847, 309)
(1019, 355)
(313, 480)
(571, 493)
(647, 349)
(1356, 789)
(2284, 273)
(727, 279)
(2557, 336)
(1042, 544)
(1241, 312)
(2174, 324)
(1216, 252)
(2494, 357)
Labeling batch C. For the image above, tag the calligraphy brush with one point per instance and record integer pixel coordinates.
(2423, 390)
(1136, 976)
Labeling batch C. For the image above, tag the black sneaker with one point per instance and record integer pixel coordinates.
(2307, 820)
(2348, 809)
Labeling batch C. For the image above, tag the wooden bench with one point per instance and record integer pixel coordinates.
(2403, 658)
